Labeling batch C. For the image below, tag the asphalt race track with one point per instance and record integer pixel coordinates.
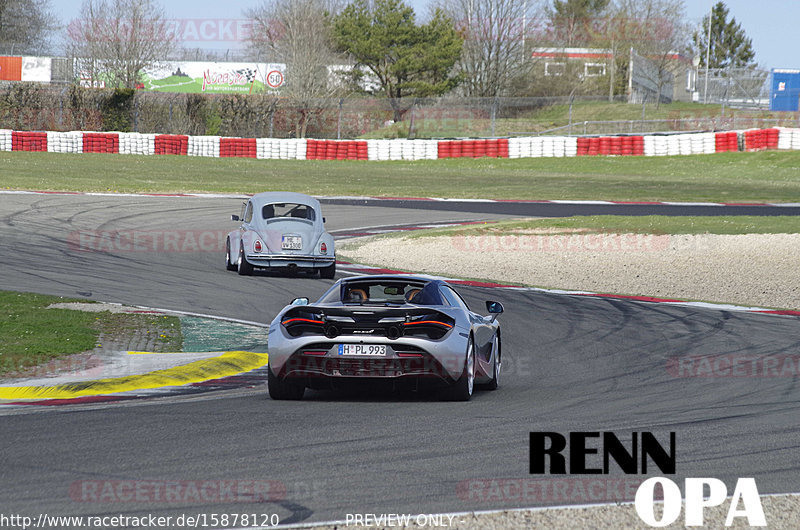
(569, 208)
(570, 364)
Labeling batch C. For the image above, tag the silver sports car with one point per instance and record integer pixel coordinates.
(281, 230)
(401, 328)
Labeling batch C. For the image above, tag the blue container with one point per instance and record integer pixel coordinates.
(785, 91)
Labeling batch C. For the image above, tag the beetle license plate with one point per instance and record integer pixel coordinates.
(363, 350)
(292, 243)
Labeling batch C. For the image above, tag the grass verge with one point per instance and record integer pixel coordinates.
(31, 334)
(768, 176)
(460, 124)
(647, 224)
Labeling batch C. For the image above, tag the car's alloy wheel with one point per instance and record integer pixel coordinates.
(244, 266)
(228, 264)
(496, 364)
(283, 390)
(462, 389)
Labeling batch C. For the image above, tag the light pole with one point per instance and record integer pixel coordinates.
(708, 49)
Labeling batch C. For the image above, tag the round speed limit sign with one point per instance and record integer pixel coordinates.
(274, 79)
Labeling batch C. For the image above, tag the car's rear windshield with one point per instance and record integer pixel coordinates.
(288, 209)
(385, 292)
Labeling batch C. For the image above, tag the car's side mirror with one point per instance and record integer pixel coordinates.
(300, 301)
(323, 220)
(494, 308)
(235, 218)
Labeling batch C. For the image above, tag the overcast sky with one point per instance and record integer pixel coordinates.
(772, 24)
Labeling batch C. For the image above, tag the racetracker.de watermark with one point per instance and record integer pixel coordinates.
(177, 491)
(424, 368)
(146, 241)
(562, 243)
(548, 491)
(179, 29)
(735, 365)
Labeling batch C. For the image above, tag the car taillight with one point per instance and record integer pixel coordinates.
(308, 320)
(257, 246)
(428, 322)
(323, 248)
(299, 325)
(434, 326)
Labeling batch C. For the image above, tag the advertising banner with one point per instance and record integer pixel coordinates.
(10, 68)
(36, 69)
(214, 77)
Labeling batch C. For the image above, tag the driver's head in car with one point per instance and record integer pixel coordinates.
(356, 295)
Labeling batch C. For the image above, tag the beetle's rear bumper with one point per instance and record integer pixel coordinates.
(286, 260)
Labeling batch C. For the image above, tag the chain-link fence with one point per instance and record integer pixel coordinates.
(615, 127)
(741, 87)
(32, 106)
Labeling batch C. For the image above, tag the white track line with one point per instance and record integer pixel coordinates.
(343, 523)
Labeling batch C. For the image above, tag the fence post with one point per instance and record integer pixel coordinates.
(411, 132)
(271, 121)
(494, 113)
(339, 121)
(644, 102)
(61, 107)
(569, 130)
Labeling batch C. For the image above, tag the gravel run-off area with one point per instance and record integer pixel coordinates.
(751, 270)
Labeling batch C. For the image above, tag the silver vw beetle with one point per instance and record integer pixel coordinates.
(411, 329)
(281, 231)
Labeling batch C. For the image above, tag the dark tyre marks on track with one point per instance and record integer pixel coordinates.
(570, 363)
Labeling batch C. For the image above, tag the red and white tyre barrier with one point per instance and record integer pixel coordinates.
(281, 148)
(761, 139)
(401, 149)
(5, 140)
(137, 144)
(203, 146)
(28, 141)
(100, 142)
(171, 144)
(65, 142)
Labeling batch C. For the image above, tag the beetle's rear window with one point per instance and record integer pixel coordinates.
(288, 209)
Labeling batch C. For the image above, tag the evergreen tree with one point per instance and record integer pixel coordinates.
(729, 44)
(407, 60)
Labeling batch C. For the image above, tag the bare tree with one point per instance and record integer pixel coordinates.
(115, 40)
(25, 26)
(571, 20)
(296, 33)
(495, 42)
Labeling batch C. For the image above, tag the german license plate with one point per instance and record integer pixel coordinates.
(292, 243)
(366, 350)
